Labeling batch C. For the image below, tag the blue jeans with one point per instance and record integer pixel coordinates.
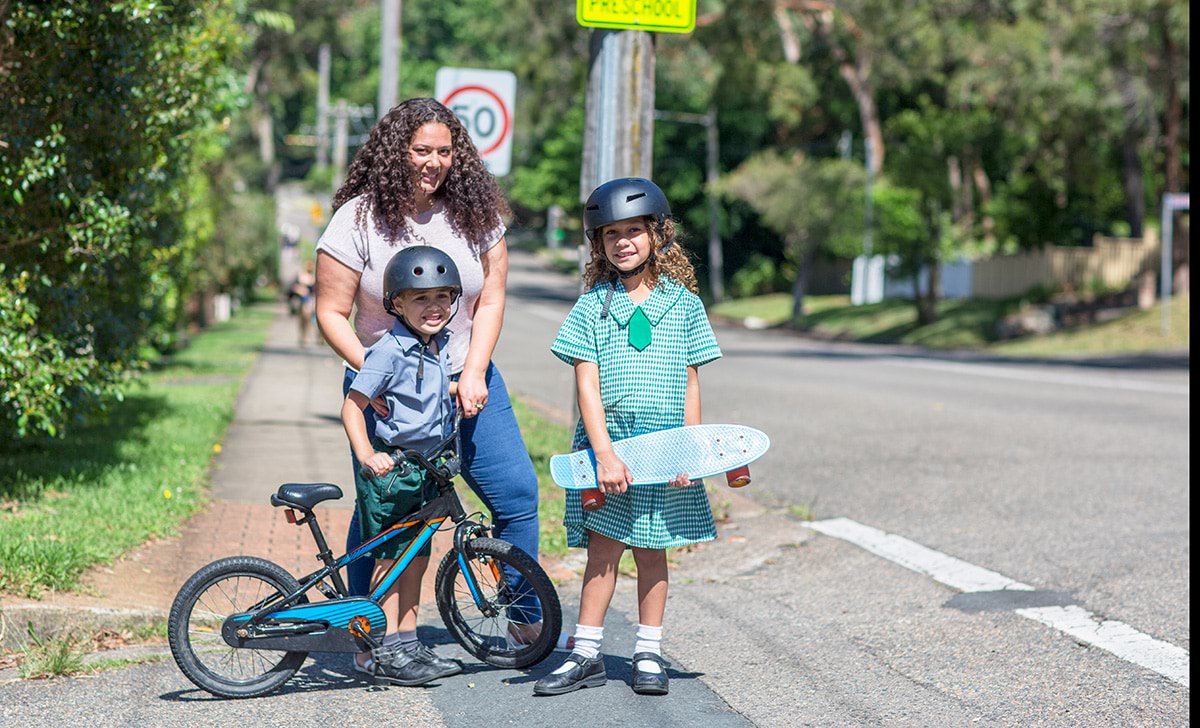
(496, 466)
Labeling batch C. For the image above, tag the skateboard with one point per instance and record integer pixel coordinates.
(700, 451)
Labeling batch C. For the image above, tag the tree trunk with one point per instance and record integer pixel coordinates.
(857, 74)
(1131, 161)
(983, 185)
(1174, 109)
(787, 33)
(800, 285)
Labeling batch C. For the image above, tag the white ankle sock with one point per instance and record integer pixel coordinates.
(649, 639)
(587, 644)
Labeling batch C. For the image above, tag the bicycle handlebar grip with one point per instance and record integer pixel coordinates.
(400, 463)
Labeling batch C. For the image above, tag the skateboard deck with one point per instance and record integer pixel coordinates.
(700, 451)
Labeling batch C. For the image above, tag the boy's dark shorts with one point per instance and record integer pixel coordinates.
(386, 501)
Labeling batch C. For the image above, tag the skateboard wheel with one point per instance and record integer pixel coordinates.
(739, 477)
(591, 499)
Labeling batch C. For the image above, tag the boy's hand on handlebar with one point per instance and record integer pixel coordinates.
(381, 463)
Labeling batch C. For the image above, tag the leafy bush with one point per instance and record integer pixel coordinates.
(760, 275)
(106, 114)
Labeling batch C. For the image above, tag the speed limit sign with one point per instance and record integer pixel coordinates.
(483, 101)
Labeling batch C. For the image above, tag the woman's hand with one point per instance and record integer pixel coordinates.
(472, 394)
(612, 475)
(379, 404)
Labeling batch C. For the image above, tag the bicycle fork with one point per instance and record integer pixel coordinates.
(462, 535)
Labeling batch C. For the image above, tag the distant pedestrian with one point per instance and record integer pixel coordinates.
(636, 338)
(303, 292)
(410, 369)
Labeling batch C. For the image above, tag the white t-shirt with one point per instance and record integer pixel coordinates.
(362, 248)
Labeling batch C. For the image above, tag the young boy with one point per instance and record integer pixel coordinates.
(408, 368)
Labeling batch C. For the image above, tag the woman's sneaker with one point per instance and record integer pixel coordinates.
(399, 667)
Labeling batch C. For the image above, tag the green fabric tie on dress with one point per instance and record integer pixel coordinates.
(639, 329)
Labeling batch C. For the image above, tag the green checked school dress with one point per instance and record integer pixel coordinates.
(642, 391)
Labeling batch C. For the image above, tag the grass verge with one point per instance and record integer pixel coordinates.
(964, 325)
(114, 484)
(543, 438)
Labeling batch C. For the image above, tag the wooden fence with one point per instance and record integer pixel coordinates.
(1112, 262)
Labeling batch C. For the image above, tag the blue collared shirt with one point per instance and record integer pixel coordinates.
(418, 407)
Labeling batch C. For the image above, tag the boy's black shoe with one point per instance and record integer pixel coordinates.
(445, 667)
(402, 668)
(584, 674)
(650, 683)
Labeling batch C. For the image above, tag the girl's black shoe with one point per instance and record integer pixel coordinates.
(650, 683)
(585, 674)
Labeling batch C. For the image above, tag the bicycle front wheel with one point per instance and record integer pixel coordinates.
(225, 587)
(478, 610)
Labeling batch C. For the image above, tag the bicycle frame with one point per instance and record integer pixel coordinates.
(344, 623)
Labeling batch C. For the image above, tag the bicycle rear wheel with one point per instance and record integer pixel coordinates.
(482, 628)
(225, 587)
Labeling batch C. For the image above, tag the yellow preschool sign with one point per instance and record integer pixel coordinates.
(657, 16)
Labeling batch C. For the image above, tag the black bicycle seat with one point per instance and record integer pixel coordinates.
(305, 495)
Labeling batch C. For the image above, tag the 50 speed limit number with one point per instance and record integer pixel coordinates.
(483, 101)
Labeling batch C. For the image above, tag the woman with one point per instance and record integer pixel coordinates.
(420, 181)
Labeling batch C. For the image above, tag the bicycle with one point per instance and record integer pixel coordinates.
(242, 626)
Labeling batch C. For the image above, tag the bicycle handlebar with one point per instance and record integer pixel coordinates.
(401, 458)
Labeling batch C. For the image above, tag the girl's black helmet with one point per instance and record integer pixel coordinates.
(420, 267)
(621, 199)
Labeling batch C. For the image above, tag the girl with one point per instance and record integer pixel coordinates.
(636, 339)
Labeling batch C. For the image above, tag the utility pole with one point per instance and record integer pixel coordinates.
(389, 55)
(341, 141)
(716, 255)
(869, 202)
(619, 136)
(323, 72)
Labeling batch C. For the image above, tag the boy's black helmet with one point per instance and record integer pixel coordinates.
(621, 199)
(421, 267)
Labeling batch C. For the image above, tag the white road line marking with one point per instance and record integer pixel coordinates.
(984, 370)
(1116, 637)
(952, 572)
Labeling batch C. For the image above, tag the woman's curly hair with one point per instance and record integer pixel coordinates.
(674, 263)
(383, 175)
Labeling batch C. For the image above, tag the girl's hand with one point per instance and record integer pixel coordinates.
(380, 463)
(612, 475)
(682, 481)
(472, 394)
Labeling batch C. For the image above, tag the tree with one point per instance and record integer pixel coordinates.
(812, 205)
(106, 113)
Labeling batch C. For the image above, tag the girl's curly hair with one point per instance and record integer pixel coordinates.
(674, 263)
(382, 174)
